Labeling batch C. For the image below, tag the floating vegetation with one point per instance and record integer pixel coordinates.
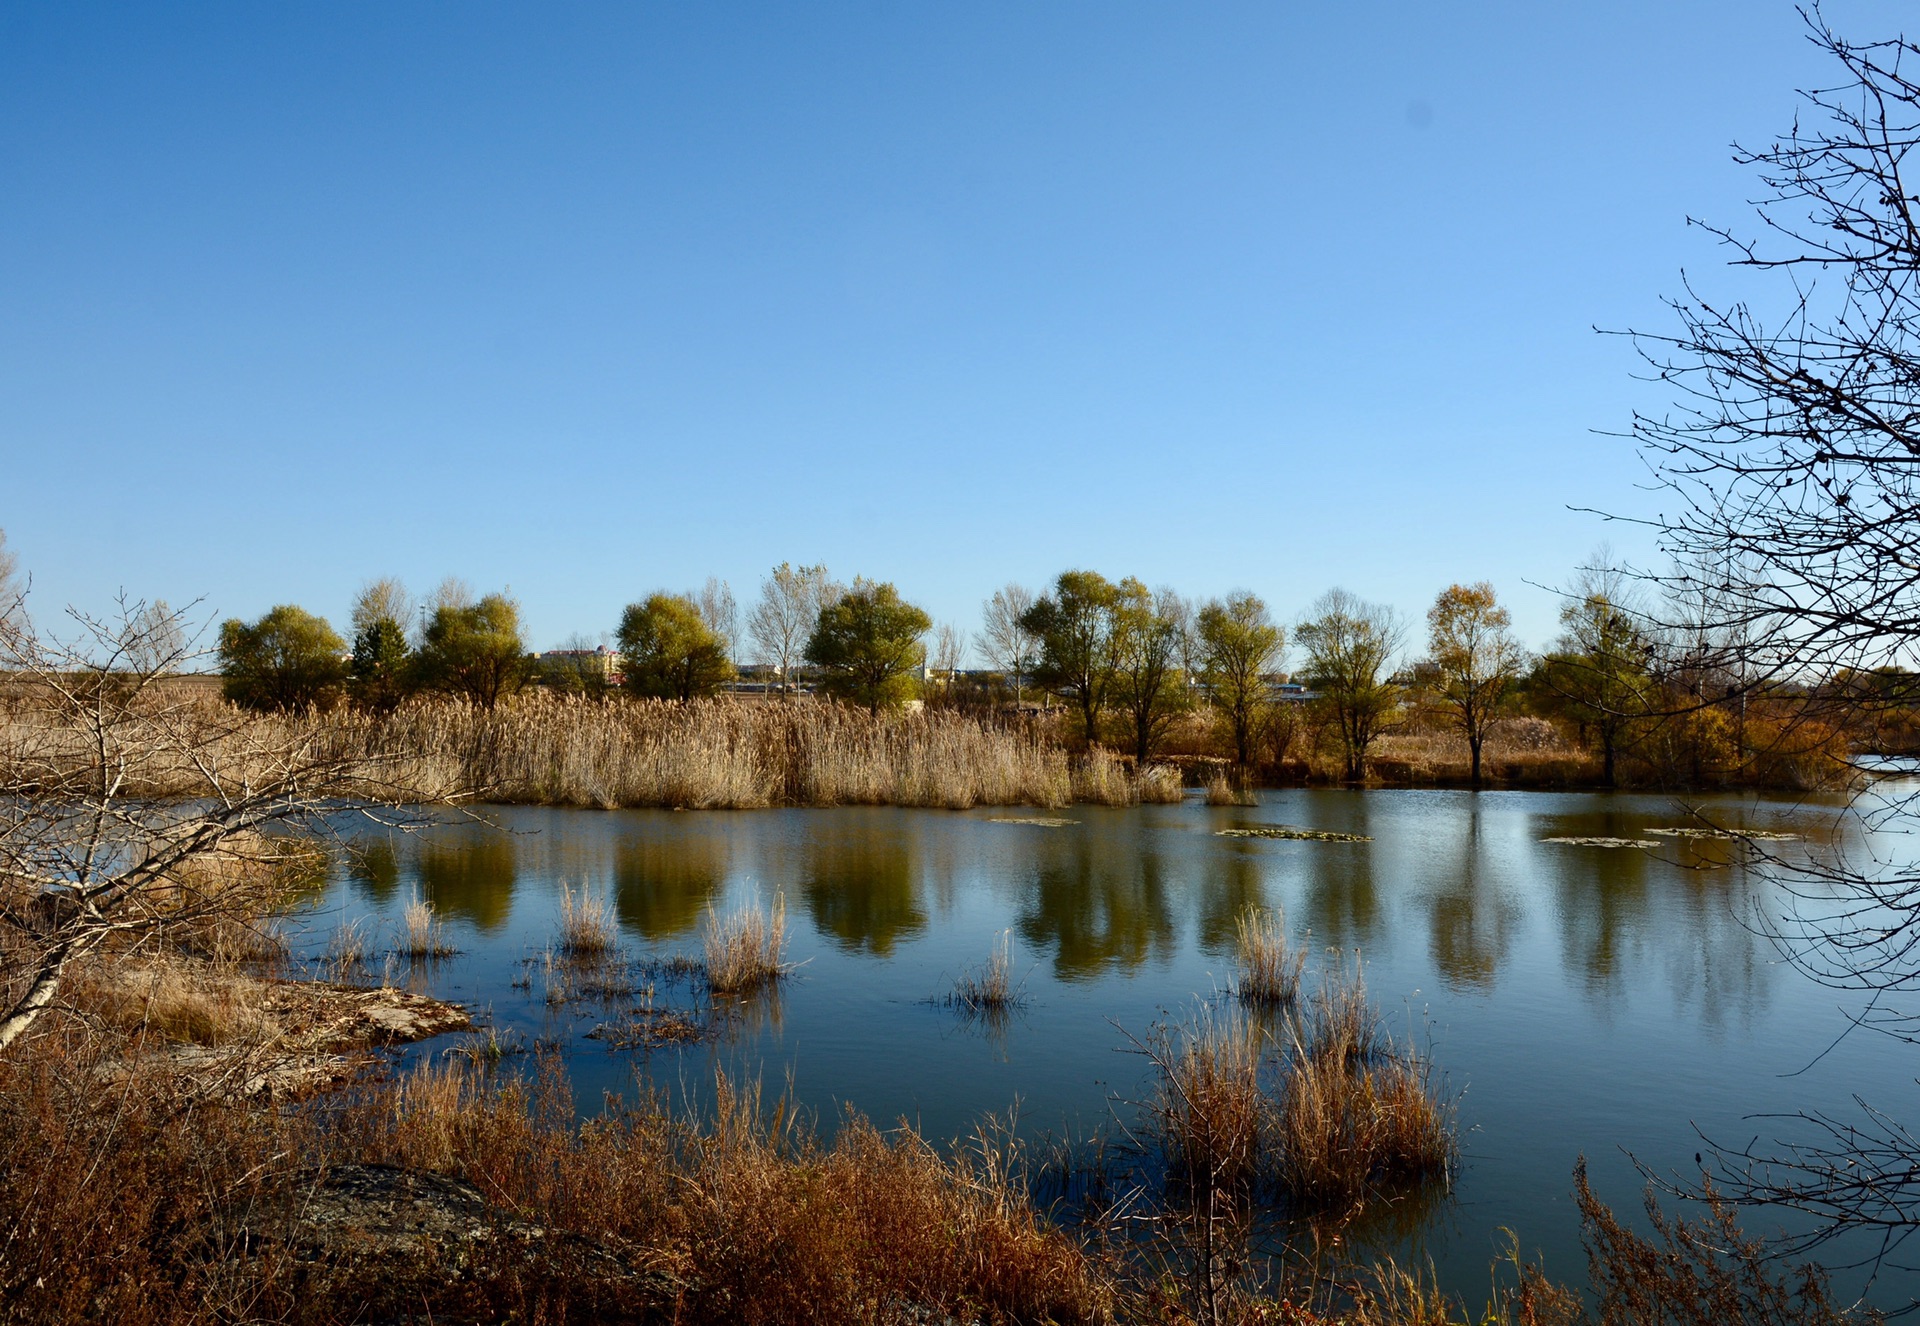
(651, 1028)
(1037, 821)
(1727, 835)
(1581, 840)
(1290, 832)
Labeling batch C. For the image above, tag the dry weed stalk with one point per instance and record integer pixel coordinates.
(422, 934)
(989, 987)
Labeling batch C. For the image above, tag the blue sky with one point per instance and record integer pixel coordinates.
(590, 300)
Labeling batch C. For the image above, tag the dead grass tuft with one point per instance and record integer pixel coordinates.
(744, 951)
(989, 987)
(1269, 970)
(586, 923)
(423, 935)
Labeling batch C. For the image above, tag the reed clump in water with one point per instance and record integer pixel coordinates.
(423, 936)
(1269, 968)
(744, 951)
(1331, 1118)
(345, 955)
(1357, 1113)
(989, 988)
(1208, 1105)
(586, 923)
(1221, 792)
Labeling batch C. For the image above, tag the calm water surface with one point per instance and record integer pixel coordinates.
(1578, 999)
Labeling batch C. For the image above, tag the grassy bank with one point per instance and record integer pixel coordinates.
(454, 1194)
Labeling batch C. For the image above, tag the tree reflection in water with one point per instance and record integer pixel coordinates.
(1471, 916)
(1099, 898)
(662, 884)
(859, 883)
(469, 873)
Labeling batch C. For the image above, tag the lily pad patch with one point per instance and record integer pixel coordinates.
(1291, 833)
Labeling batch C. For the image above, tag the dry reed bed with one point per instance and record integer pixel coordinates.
(545, 749)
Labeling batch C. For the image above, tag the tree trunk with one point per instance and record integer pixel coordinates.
(46, 984)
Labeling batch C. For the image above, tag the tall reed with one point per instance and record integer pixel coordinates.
(744, 951)
(586, 922)
(989, 987)
(1269, 969)
(422, 934)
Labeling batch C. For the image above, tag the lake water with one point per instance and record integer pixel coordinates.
(1577, 998)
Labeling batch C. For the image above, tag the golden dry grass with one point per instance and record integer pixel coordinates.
(989, 987)
(1208, 1105)
(1268, 967)
(423, 936)
(586, 922)
(743, 951)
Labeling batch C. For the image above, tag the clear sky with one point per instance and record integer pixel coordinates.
(588, 300)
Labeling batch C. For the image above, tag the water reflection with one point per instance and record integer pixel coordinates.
(470, 876)
(662, 885)
(1682, 910)
(1231, 887)
(859, 886)
(1471, 919)
(373, 870)
(1099, 899)
(1342, 900)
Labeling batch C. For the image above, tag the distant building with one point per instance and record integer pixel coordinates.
(600, 662)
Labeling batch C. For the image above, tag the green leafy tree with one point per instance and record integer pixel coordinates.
(670, 650)
(289, 660)
(1350, 646)
(1149, 646)
(1075, 627)
(1598, 673)
(1239, 646)
(383, 665)
(867, 644)
(1474, 657)
(474, 649)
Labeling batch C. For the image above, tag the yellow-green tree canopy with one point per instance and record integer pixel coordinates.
(474, 649)
(288, 660)
(867, 644)
(1239, 645)
(669, 651)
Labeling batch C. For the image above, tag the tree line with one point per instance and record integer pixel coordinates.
(1126, 665)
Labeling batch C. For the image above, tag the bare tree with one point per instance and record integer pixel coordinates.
(1008, 644)
(119, 788)
(387, 599)
(1790, 453)
(949, 650)
(784, 619)
(721, 614)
